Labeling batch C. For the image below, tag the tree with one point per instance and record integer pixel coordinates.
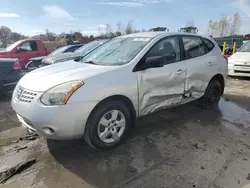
(5, 35)
(78, 36)
(212, 27)
(236, 24)
(108, 29)
(128, 29)
(15, 36)
(223, 25)
(119, 26)
(50, 36)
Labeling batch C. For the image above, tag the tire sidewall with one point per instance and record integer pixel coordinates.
(212, 85)
(91, 130)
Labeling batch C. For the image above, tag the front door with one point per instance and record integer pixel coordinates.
(162, 86)
(26, 51)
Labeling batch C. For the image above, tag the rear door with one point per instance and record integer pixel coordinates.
(27, 50)
(161, 87)
(201, 65)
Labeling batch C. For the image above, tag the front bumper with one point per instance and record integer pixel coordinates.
(234, 70)
(53, 122)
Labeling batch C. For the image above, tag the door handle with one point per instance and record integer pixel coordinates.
(37, 53)
(179, 71)
(210, 64)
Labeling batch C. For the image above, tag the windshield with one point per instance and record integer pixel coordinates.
(10, 47)
(58, 50)
(89, 47)
(117, 51)
(245, 47)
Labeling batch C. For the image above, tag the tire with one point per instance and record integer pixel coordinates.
(30, 66)
(105, 111)
(212, 95)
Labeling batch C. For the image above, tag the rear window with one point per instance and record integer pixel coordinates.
(208, 44)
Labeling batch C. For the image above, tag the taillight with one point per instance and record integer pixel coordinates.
(16, 65)
(226, 58)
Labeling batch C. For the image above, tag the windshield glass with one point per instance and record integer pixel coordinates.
(10, 47)
(58, 50)
(89, 47)
(117, 51)
(245, 47)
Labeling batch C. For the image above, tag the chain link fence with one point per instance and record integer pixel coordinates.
(230, 40)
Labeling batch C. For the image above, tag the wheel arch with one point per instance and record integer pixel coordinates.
(220, 78)
(121, 98)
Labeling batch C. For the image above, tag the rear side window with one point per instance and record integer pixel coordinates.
(193, 47)
(208, 44)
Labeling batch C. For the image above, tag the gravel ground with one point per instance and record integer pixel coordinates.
(177, 148)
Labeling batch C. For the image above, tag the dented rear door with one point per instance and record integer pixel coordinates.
(201, 66)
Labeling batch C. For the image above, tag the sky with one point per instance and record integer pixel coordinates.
(32, 17)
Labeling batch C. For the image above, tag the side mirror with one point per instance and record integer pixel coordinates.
(152, 62)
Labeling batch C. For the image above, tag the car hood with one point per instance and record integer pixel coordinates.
(240, 56)
(44, 78)
(57, 57)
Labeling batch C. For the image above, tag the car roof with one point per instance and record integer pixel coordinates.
(73, 45)
(152, 34)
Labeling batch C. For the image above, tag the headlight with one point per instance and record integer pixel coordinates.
(60, 94)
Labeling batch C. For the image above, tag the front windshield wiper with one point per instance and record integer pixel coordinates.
(90, 62)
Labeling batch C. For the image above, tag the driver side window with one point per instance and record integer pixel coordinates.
(168, 49)
(28, 46)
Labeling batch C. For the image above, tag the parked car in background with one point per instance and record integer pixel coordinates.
(10, 73)
(239, 62)
(100, 96)
(79, 53)
(23, 50)
(36, 61)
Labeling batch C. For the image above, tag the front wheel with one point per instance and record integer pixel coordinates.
(108, 125)
(212, 95)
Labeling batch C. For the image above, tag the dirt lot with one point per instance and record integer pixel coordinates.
(178, 148)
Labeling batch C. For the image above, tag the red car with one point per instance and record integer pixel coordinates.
(23, 50)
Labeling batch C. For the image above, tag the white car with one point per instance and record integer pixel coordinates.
(239, 63)
(100, 97)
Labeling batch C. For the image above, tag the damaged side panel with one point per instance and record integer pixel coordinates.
(194, 85)
(160, 88)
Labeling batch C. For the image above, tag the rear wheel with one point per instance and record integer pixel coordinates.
(108, 125)
(212, 95)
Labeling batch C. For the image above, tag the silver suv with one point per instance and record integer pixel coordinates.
(99, 97)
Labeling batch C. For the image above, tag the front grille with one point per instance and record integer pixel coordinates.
(26, 96)
(242, 68)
